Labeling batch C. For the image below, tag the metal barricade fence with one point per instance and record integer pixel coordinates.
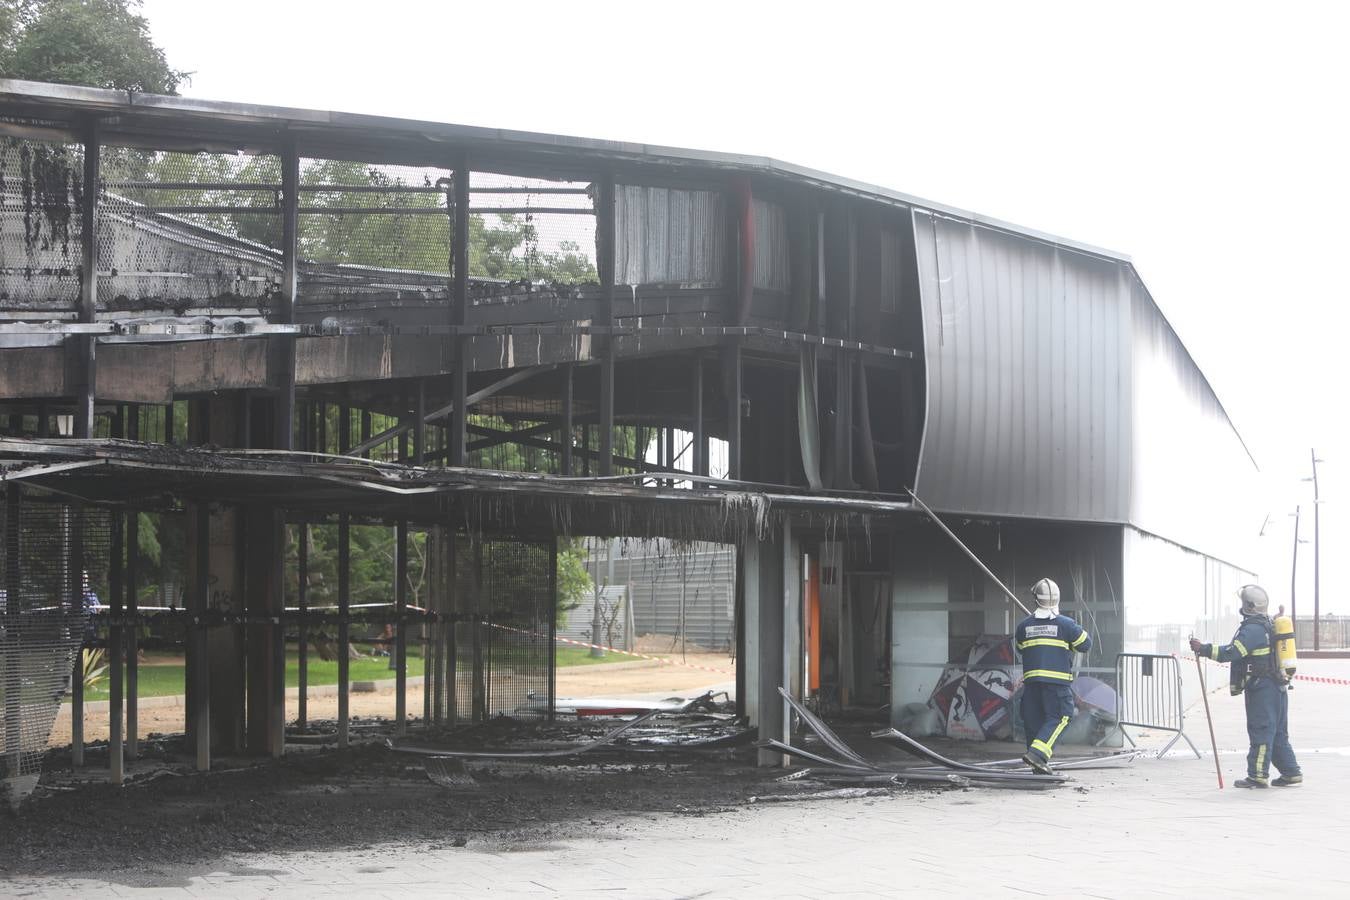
(1149, 695)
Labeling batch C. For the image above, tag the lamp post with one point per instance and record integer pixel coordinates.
(1317, 556)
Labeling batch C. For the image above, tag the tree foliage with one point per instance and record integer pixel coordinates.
(501, 247)
(98, 43)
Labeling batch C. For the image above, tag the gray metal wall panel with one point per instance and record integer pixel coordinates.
(1057, 389)
(655, 575)
(1026, 399)
(771, 246)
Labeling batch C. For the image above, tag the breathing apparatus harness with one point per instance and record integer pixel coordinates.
(1266, 665)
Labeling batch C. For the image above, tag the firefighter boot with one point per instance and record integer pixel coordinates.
(1038, 765)
(1249, 782)
(1288, 780)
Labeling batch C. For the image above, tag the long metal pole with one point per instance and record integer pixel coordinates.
(132, 429)
(199, 646)
(344, 576)
(302, 647)
(1317, 558)
(400, 607)
(1214, 745)
(940, 524)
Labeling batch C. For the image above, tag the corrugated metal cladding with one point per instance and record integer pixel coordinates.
(669, 236)
(771, 246)
(891, 283)
(1026, 347)
(1056, 389)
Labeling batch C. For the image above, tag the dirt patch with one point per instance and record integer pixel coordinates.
(624, 677)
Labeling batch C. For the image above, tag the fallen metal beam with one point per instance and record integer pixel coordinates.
(555, 753)
(975, 559)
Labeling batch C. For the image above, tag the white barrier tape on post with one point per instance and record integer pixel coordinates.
(658, 659)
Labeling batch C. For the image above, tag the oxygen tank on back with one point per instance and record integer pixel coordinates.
(1286, 654)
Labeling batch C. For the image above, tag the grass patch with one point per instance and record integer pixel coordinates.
(162, 676)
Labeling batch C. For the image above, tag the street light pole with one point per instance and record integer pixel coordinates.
(1317, 557)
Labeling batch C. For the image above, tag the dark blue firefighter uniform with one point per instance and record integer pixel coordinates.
(1267, 697)
(1047, 647)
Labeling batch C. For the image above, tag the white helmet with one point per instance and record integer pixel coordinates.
(1255, 600)
(1046, 593)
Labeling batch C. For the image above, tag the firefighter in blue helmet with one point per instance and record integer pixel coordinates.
(1047, 642)
(1255, 672)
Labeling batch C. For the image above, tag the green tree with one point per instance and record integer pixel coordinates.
(98, 43)
(574, 582)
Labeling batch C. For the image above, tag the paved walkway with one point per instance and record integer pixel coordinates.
(1157, 828)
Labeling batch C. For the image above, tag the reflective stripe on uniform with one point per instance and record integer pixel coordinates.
(1048, 747)
(1261, 761)
(1214, 651)
(1047, 673)
(1241, 647)
(1261, 651)
(1043, 642)
(1082, 637)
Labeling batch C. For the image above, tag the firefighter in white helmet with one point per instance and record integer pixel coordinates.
(1047, 642)
(1255, 672)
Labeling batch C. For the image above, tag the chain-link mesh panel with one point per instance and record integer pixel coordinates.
(510, 638)
(41, 191)
(188, 231)
(529, 231)
(517, 586)
(54, 563)
(373, 230)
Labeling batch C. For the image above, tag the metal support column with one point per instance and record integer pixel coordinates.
(75, 593)
(419, 429)
(479, 679)
(459, 313)
(400, 608)
(567, 437)
(733, 385)
(116, 745)
(302, 649)
(344, 437)
(13, 583)
(433, 666)
(284, 312)
(700, 437)
(451, 603)
(81, 347)
(199, 667)
(132, 642)
(344, 627)
(604, 261)
(553, 629)
(434, 551)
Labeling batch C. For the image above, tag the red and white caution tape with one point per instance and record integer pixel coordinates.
(1315, 679)
(659, 659)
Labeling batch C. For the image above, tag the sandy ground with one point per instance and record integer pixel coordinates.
(598, 680)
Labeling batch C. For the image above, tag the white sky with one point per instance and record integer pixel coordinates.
(1207, 140)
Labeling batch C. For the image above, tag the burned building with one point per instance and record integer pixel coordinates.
(255, 322)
